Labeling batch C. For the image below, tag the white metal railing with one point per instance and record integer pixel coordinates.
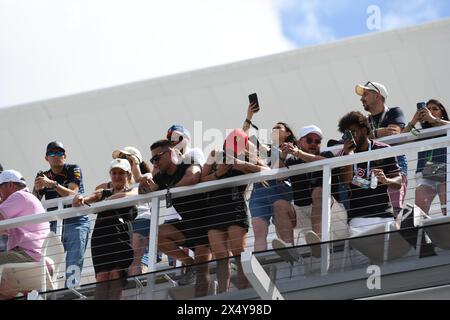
(326, 165)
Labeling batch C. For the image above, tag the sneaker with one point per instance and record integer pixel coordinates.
(312, 239)
(187, 278)
(281, 248)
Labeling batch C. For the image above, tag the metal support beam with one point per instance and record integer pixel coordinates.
(258, 277)
(152, 248)
(326, 220)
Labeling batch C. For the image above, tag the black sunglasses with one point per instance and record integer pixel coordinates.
(310, 141)
(369, 83)
(157, 157)
(55, 153)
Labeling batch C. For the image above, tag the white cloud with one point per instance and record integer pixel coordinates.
(307, 27)
(403, 14)
(50, 48)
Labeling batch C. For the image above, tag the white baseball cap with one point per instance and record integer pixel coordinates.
(12, 176)
(373, 86)
(128, 151)
(310, 129)
(122, 164)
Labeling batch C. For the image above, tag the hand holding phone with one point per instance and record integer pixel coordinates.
(253, 99)
(421, 105)
(348, 136)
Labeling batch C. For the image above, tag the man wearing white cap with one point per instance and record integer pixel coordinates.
(25, 241)
(307, 190)
(385, 121)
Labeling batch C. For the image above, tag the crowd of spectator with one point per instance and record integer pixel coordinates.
(215, 224)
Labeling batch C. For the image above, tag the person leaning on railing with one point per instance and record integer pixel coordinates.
(227, 219)
(141, 225)
(111, 248)
(24, 242)
(273, 197)
(385, 121)
(188, 232)
(367, 182)
(432, 115)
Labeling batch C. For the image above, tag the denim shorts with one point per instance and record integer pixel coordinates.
(262, 198)
(141, 226)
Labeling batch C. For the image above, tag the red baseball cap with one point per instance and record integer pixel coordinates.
(236, 141)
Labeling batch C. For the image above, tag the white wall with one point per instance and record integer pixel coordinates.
(301, 87)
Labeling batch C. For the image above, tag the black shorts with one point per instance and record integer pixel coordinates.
(223, 216)
(194, 232)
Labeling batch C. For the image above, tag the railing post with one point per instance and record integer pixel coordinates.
(326, 202)
(448, 175)
(59, 222)
(152, 247)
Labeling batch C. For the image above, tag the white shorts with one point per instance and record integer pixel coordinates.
(420, 181)
(339, 227)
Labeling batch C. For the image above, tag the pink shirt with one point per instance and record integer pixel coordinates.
(28, 237)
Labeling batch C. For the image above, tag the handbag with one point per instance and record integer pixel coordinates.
(435, 171)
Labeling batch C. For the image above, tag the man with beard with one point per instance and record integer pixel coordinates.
(307, 190)
(385, 121)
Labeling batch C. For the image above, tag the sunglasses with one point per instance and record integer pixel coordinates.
(55, 153)
(316, 141)
(157, 157)
(369, 83)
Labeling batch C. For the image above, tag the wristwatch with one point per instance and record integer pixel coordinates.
(56, 185)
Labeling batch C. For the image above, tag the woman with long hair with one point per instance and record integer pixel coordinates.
(271, 196)
(433, 115)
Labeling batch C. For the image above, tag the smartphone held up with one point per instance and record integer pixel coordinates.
(253, 99)
(348, 136)
(421, 105)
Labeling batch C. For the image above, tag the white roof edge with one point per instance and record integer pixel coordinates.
(181, 75)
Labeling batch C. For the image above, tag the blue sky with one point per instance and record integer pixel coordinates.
(53, 48)
(309, 22)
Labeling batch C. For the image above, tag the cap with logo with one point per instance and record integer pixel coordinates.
(121, 164)
(373, 86)
(176, 131)
(12, 176)
(127, 151)
(310, 129)
(55, 145)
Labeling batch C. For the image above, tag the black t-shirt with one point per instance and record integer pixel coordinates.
(370, 203)
(184, 205)
(127, 213)
(303, 184)
(393, 116)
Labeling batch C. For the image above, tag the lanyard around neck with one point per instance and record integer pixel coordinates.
(374, 127)
(355, 167)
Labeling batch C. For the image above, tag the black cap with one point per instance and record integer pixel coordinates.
(55, 145)
(332, 143)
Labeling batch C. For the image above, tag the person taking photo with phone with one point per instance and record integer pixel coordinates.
(429, 115)
(367, 182)
(271, 197)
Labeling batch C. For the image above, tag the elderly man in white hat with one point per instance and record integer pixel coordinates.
(25, 241)
(307, 190)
